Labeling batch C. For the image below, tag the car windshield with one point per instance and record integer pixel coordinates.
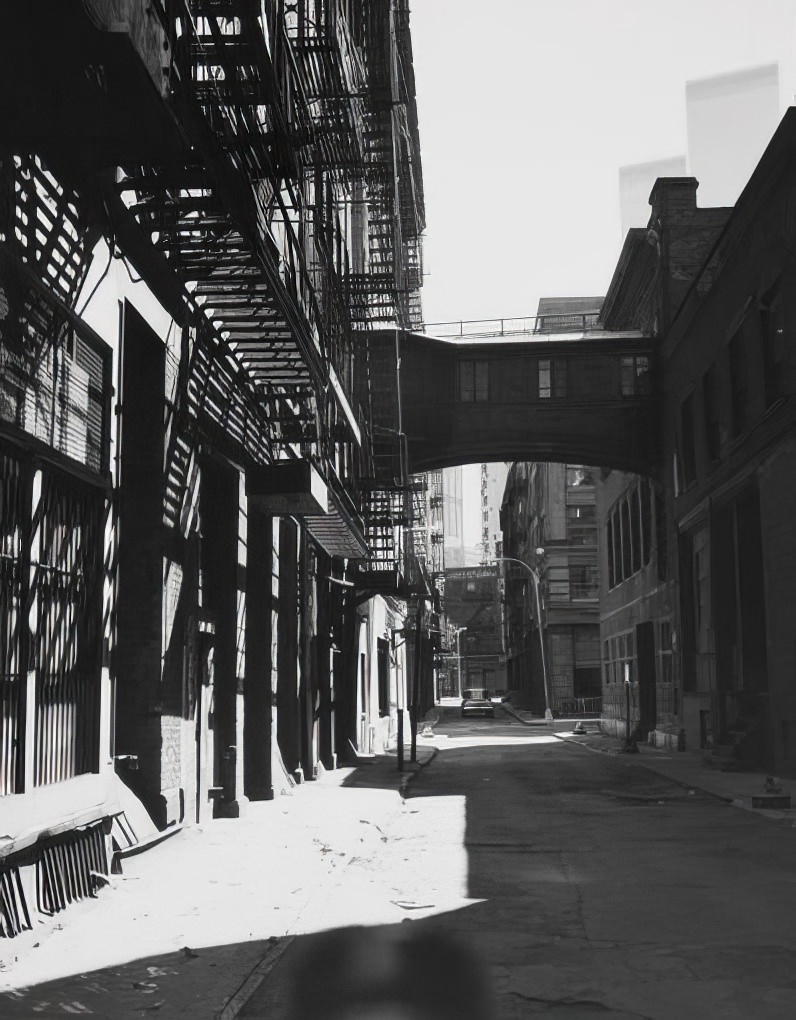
(476, 694)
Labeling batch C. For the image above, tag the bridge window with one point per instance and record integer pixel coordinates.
(552, 377)
(473, 381)
(634, 373)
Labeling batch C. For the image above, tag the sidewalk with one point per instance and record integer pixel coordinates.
(192, 926)
(688, 768)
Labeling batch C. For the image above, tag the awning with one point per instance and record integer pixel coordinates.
(339, 531)
(295, 488)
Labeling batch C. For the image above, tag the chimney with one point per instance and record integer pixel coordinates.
(673, 199)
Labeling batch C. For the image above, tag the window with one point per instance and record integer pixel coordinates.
(582, 525)
(773, 328)
(583, 581)
(545, 378)
(738, 383)
(627, 539)
(612, 573)
(552, 377)
(710, 399)
(646, 521)
(687, 432)
(473, 381)
(635, 525)
(620, 660)
(577, 476)
(665, 651)
(629, 534)
(557, 578)
(634, 374)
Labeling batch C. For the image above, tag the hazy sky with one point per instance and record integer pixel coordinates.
(527, 110)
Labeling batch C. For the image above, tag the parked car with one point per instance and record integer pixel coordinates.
(477, 702)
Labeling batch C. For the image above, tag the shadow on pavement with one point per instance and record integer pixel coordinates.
(188, 983)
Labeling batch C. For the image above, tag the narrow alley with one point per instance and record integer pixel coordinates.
(582, 882)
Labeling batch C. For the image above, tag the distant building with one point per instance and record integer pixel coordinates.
(730, 120)
(472, 607)
(635, 184)
(637, 625)
(453, 517)
(493, 481)
(549, 523)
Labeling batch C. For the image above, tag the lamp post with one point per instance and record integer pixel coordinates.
(548, 713)
(459, 631)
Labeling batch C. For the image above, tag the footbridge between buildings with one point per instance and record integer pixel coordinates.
(526, 390)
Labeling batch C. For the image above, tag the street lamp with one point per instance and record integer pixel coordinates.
(459, 631)
(548, 714)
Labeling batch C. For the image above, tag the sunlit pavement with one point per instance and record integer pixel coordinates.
(596, 885)
(585, 882)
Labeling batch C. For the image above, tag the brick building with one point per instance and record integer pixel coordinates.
(203, 553)
(716, 597)
(549, 522)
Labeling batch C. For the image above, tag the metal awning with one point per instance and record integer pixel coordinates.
(295, 488)
(339, 531)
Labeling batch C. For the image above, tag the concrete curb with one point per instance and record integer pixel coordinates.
(509, 710)
(272, 957)
(407, 777)
(645, 762)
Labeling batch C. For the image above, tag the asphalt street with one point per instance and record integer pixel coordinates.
(579, 883)
(606, 888)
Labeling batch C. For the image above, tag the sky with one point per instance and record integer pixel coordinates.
(528, 108)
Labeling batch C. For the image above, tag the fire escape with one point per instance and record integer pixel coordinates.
(385, 283)
(247, 162)
(261, 171)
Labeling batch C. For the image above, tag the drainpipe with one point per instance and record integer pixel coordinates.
(416, 682)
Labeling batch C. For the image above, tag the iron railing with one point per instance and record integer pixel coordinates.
(529, 326)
